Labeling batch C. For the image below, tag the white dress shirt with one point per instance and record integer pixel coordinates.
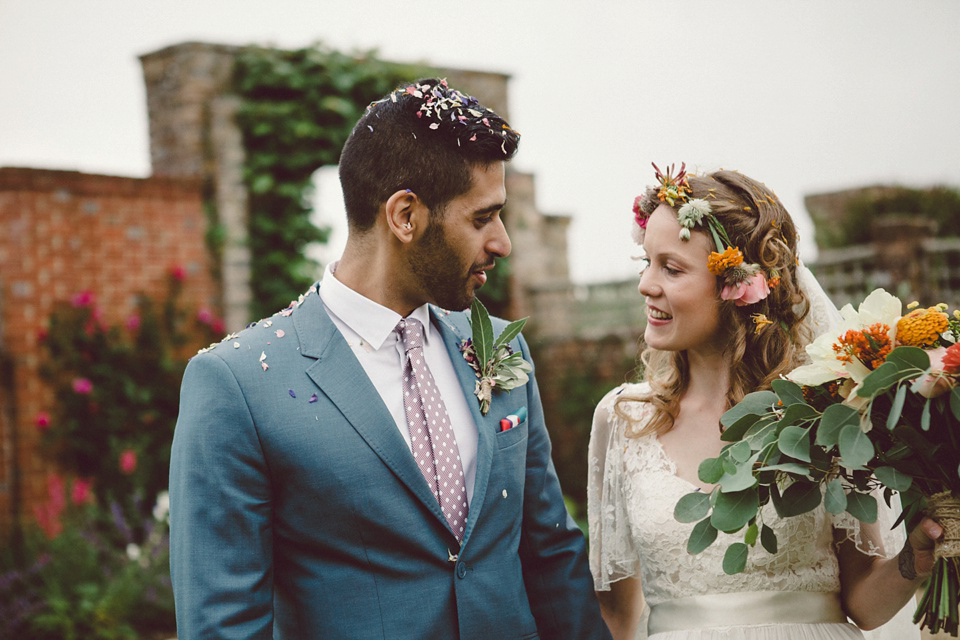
(368, 327)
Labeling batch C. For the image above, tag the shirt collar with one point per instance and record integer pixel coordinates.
(372, 321)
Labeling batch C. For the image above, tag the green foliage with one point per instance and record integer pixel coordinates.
(298, 110)
(116, 391)
(573, 378)
(797, 450)
(939, 205)
(90, 580)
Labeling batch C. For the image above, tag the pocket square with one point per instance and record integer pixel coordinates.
(513, 420)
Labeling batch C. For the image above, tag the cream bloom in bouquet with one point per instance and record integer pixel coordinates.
(876, 411)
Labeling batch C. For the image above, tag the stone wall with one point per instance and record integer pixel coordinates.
(65, 232)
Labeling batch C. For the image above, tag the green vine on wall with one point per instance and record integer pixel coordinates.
(298, 110)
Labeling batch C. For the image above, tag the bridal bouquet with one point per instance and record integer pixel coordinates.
(877, 410)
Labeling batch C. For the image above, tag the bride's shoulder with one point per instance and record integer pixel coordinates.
(629, 398)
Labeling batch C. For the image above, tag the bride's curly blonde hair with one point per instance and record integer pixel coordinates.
(761, 228)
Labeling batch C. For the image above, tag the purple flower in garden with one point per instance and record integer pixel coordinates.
(82, 386)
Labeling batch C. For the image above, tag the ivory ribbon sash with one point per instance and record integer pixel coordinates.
(745, 608)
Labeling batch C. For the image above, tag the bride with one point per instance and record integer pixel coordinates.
(729, 309)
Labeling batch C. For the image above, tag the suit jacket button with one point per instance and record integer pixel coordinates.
(461, 570)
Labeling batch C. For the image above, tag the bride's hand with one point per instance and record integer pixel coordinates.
(916, 559)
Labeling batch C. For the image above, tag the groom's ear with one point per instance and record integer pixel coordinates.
(406, 215)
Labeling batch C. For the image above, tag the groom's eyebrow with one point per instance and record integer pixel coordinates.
(493, 208)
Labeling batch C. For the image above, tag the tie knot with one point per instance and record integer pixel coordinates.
(411, 333)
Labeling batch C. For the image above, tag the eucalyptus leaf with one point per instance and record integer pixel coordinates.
(736, 431)
(795, 442)
(756, 403)
(834, 498)
(742, 478)
(735, 558)
(834, 419)
(692, 507)
(896, 408)
(788, 467)
(890, 477)
(702, 536)
(734, 510)
(797, 414)
(909, 359)
(856, 450)
(800, 497)
(750, 536)
(788, 391)
(880, 379)
(862, 506)
(710, 470)
(768, 539)
(955, 402)
(741, 451)
(925, 415)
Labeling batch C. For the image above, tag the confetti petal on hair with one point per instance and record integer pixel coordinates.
(312, 399)
(263, 356)
(280, 333)
(236, 345)
(292, 394)
(264, 365)
(268, 323)
(371, 128)
(434, 126)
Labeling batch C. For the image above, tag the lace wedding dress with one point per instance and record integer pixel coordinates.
(632, 491)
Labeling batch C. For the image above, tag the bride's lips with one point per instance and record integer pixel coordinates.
(652, 319)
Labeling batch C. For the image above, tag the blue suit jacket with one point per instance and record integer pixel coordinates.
(297, 510)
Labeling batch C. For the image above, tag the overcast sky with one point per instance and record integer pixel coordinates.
(807, 96)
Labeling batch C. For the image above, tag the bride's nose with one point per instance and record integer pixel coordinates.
(647, 287)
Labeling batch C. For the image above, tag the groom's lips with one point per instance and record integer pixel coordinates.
(481, 274)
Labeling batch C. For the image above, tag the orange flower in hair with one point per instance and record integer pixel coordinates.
(718, 263)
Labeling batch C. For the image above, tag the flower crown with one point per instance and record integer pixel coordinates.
(745, 284)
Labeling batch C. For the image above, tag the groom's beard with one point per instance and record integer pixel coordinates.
(442, 273)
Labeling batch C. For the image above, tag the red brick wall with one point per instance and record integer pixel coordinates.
(63, 232)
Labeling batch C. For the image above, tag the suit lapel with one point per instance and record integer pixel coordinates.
(454, 329)
(342, 379)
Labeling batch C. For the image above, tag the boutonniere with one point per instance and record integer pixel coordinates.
(491, 357)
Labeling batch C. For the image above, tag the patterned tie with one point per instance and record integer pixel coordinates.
(431, 436)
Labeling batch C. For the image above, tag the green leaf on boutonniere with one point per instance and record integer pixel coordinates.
(510, 332)
(495, 363)
(482, 331)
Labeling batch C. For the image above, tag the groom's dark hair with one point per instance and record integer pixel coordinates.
(424, 137)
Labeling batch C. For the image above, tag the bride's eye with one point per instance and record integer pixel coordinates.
(644, 263)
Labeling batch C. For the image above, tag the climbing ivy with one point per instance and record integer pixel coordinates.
(298, 108)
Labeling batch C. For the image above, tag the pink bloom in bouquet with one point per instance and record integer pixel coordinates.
(951, 360)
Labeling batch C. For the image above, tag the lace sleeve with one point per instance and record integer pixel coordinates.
(613, 550)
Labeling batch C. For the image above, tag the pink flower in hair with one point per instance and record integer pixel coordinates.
(753, 289)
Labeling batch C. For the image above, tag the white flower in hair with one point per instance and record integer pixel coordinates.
(693, 212)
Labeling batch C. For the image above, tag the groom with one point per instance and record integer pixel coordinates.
(332, 473)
